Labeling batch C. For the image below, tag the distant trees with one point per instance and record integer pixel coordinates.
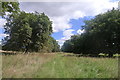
(53, 45)
(102, 35)
(28, 31)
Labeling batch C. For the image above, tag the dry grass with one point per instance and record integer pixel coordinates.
(23, 64)
(54, 65)
(0, 66)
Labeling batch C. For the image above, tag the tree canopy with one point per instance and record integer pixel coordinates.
(29, 32)
(102, 35)
(9, 7)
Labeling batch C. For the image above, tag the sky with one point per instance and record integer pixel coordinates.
(67, 17)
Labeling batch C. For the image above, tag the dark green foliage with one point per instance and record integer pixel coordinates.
(29, 32)
(41, 30)
(53, 45)
(102, 35)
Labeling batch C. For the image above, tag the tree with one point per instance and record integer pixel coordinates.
(41, 30)
(106, 30)
(19, 33)
(29, 32)
(8, 11)
(53, 45)
(101, 35)
(9, 7)
(67, 46)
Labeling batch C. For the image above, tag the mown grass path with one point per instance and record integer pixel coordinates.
(56, 65)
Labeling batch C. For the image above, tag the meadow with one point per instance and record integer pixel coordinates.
(57, 65)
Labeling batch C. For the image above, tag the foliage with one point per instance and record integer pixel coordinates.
(101, 35)
(53, 45)
(9, 7)
(29, 32)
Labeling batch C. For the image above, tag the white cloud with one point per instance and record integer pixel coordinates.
(2, 22)
(60, 42)
(119, 5)
(3, 35)
(79, 31)
(67, 34)
(61, 12)
(60, 24)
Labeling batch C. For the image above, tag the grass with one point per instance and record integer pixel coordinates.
(105, 55)
(55, 65)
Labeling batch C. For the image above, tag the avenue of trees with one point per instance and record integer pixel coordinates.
(27, 31)
(101, 35)
(32, 32)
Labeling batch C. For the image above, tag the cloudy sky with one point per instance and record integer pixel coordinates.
(67, 17)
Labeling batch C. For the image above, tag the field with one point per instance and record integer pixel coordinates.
(57, 65)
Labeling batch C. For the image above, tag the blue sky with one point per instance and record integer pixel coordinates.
(76, 25)
(67, 17)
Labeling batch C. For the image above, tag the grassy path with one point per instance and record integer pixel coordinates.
(58, 66)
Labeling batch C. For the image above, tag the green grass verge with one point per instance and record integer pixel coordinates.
(58, 66)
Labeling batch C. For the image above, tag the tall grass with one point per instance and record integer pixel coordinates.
(58, 66)
(23, 65)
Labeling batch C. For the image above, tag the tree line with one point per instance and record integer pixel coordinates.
(101, 35)
(27, 31)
